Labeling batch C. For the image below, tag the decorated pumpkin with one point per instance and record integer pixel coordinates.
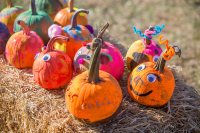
(9, 14)
(77, 34)
(110, 58)
(49, 6)
(144, 50)
(52, 69)
(4, 36)
(38, 21)
(64, 16)
(152, 83)
(22, 47)
(93, 95)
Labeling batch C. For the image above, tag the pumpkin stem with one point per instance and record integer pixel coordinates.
(33, 8)
(95, 60)
(24, 26)
(74, 18)
(9, 4)
(50, 45)
(160, 64)
(71, 5)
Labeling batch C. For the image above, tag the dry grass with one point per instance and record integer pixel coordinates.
(25, 107)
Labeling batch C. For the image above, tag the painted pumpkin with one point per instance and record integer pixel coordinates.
(4, 36)
(38, 21)
(144, 50)
(93, 95)
(110, 58)
(152, 84)
(64, 16)
(52, 69)
(49, 6)
(77, 35)
(22, 47)
(9, 14)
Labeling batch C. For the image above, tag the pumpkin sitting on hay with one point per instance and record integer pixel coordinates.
(22, 47)
(152, 84)
(93, 95)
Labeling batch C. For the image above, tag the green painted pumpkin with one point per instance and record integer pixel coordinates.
(49, 6)
(38, 21)
(9, 14)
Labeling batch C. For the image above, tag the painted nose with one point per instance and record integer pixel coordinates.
(137, 79)
(81, 61)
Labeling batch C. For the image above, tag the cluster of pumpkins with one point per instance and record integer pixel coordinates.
(73, 51)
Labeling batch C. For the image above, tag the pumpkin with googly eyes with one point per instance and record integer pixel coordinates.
(22, 47)
(77, 35)
(52, 69)
(144, 50)
(152, 83)
(110, 58)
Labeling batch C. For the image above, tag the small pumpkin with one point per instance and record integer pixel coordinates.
(22, 47)
(93, 95)
(49, 6)
(38, 21)
(9, 14)
(64, 16)
(110, 58)
(52, 69)
(152, 84)
(4, 36)
(144, 50)
(77, 35)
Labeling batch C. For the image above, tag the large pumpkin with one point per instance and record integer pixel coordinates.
(110, 58)
(77, 34)
(49, 6)
(22, 47)
(152, 84)
(64, 16)
(9, 14)
(144, 50)
(38, 21)
(4, 36)
(52, 69)
(93, 95)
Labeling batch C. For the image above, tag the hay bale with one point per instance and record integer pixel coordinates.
(25, 107)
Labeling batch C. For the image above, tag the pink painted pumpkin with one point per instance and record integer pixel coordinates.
(111, 59)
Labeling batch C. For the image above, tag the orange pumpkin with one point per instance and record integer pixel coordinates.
(9, 14)
(152, 84)
(93, 95)
(64, 16)
(22, 47)
(77, 34)
(52, 69)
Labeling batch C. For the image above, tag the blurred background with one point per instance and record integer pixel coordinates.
(181, 19)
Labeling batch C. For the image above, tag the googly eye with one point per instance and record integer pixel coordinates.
(141, 67)
(155, 58)
(79, 52)
(151, 78)
(46, 57)
(88, 57)
(36, 56)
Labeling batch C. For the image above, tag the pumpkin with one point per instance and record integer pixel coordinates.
(93, 95)
(144, 50)
(38, 21)
(4, 36)
(52, 69)
(64, 16)
(152, 83)
(49, 6)
(110, 58)
(22, 47)
(9, 14)
(77, 35)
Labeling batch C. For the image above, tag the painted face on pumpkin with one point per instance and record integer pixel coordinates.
(149, 87)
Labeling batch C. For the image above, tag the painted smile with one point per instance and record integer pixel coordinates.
(136, 93)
